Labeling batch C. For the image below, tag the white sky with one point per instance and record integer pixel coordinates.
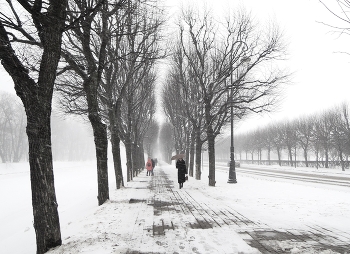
(320, 78)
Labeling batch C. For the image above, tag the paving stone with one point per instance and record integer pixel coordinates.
(169, 203)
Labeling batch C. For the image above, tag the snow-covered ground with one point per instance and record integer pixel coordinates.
(76, 191)
(276, 202)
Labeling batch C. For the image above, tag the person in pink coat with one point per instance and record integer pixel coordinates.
(149, 166)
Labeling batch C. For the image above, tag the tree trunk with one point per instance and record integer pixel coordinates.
(192, 151)
(134, 155)
(100, 138)
(101, 146)
(290, 155)
(305, 157)
(128, 158)
(128, 139)
(115, 142)
(187, 150)
(211, 155)
(279, 156)
(211, 146)
(326, 154)
(198, 155)
(341, 159)
(46, 219)
(259, 152)
(37, 101)
(141, 157)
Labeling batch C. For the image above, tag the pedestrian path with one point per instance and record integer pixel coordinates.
(180, 215)
(181, 224)
(152, 215)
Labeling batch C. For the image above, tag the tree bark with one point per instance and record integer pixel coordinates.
(135, 159)
(279, 156)
(100, 138)
(290, 155)
(211, 146)
(305, 157)
(37, 101)
(46, 219)
(211, 155)
(326, 154)
(115, 142)
(198, 154)
(128, 149)
(101, 146)
(128, 140)
(192, 151)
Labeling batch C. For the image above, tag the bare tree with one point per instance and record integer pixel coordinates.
(267, 137)
(326, 134)
(289, 139)
(132, 54)
(278, 139)
(142, 119)
(228, 58)
(174, 111)
(139, 102)
(40, 28)
(85, 54)
(183, 110)
(304, 129)
(323, 127)
(259, 143)
(344, 111)
(150, 139)
(340, 11)
(338, 134)
(166, 141)
(130, 32)
(12, 128)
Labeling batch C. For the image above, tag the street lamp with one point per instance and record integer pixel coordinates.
(232, 171)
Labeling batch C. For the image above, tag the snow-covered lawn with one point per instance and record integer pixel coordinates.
(76, 191)
(287, 203)
(278, 203)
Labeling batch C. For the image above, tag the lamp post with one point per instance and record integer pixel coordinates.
(232, 171)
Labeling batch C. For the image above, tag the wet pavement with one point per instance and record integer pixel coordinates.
(177, 210)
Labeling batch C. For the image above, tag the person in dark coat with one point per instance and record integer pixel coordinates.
(181, 172)
(153, 165)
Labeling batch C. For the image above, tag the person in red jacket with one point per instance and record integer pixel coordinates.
(149, 166)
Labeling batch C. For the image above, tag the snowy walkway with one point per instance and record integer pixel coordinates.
(152, 215)
(213, 216)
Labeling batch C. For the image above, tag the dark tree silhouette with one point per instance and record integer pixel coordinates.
(224, 63)
(41, 30)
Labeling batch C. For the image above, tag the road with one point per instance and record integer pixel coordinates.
(290, 175)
